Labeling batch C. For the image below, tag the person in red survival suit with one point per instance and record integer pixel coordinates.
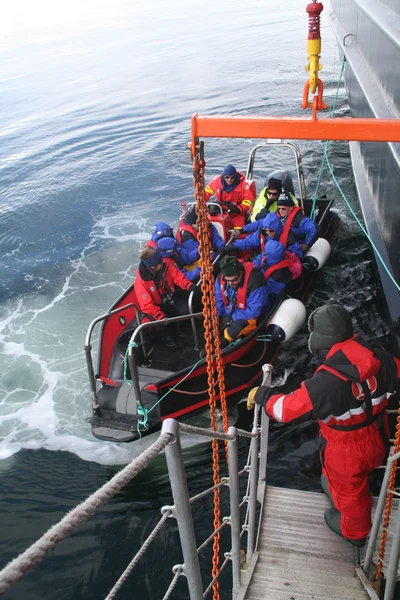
(348, 395)
(157, 287)
(235, 193)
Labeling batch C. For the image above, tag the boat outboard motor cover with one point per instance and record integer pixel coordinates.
(285, 177)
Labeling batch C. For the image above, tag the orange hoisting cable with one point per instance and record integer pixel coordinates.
(211, 336)
(377, 577)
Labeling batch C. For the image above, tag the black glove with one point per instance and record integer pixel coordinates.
(261, 396)
(193, 288)
(262, 214)
(225, 249)
(233, 208)
(224, 321)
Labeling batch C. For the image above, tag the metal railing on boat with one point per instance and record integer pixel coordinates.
(138, 332)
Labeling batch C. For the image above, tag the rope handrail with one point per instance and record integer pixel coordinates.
(38, 551)
(221, 568)
(212, 535)
(117, 586)
(178, 573)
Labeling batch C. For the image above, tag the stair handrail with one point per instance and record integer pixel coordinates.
(391, 575)
(169, 441)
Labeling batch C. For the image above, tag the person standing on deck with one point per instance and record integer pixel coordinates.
(234, 192)
(348, 395)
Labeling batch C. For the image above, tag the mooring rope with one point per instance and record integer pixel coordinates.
(18, 567)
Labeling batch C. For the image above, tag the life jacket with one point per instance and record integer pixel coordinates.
(292, 262)
(283, 238)
(263, 240)
(241, 292)
(189, 228)
(279, 265)
(368, 378)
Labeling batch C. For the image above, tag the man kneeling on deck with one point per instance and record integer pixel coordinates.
(348, 395)
(241, 296)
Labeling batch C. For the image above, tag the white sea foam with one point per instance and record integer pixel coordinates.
(44, 388)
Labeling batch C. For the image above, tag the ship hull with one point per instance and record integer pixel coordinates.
(368, 34)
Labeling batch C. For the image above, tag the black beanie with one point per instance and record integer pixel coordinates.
(285, 200)
(230, 266)
(275, 184)
(328, 324)
(191, 217)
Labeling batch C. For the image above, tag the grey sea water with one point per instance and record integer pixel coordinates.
(96, 100)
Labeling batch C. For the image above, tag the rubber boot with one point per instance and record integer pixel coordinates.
(169, 341)
(324, 485)
(181, 330)
(332, 519)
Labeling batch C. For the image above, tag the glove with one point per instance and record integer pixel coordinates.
(237, 232)
(193, 288)
(259, 395)
(232, 208)
(262, 214)
(224, 321)
(229, 248)
(304, 247)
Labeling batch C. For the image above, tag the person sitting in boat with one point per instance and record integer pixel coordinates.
(157, 285)
(267, 200)
(294, 220)
(161, 230)
(241, 297)
(270, 228)
(234, 192)
(188, 236)
(348, 395)
(168, 247)
(275, 267)
(164, 231)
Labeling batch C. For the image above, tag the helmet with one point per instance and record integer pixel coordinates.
(328, 325)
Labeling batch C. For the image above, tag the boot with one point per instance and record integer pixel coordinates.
(324, 485)
(181, 330)
(169, 341)
(332, 519)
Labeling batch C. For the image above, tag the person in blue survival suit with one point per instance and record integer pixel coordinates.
(241, 296)
(348, 395)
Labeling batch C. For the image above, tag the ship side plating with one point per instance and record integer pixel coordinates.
(368, 34)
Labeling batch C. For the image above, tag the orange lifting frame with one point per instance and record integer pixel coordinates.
(296, 128)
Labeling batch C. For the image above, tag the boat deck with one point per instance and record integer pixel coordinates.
(298, 556)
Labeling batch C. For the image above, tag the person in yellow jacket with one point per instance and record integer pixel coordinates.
(267, 199)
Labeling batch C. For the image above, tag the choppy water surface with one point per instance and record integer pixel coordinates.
(96, 104)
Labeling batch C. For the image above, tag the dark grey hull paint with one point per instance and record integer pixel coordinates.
(368, 33)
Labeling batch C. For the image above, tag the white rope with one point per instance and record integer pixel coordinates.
(173, 583)
(113, 592)
(18, 567)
